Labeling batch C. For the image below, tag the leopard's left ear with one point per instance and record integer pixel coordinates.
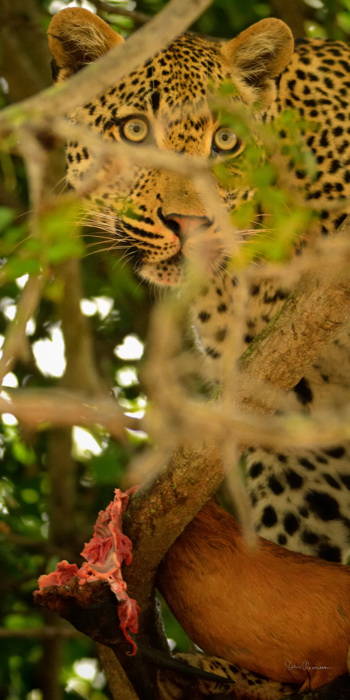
(77, 37)
(259, 54)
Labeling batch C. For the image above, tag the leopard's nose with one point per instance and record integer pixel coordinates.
(200, 243)
(188, 224)
(184, 225)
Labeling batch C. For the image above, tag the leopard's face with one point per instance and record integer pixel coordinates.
(169, 103)
(152, 210)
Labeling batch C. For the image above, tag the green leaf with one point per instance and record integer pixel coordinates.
(227, 87)
(29, 496)
(63, 250)
(17, 622)
(109, 467)
(16, 268)
(265, 175)
(244, 215)
(7, 216)
(12, 235)
(343, 19)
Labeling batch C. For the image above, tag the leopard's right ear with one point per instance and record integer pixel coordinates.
(77, 37)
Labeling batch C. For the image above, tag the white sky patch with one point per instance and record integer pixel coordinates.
(35, 694)
(104, 306)
(126, 376)
(78, 688)
(22, 281)
(10, 379)
(6, 494)
(86, 668)
(171, 643)
(136, 414)
(84, 444)
(131, 349)
(9, 419)
(30, 327)
(4, 85)
(8, 308)
(57, 6)
(44, 529)
(88, 307)
(136, 407)
(49, 354)
(139, 433)
(100, 305)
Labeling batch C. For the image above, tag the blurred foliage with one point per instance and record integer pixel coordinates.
(27, 548)
(254, 169)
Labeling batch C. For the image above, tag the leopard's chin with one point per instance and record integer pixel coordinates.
(167, 273)
(180, 269)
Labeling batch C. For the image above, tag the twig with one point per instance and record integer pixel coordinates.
(40, 408)
(118, 682)
(28, 543)
(135, 15)
(47, 632)
(16, 344)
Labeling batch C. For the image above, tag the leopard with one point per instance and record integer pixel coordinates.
(300, 498)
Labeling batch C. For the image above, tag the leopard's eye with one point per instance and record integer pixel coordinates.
(135, 130)
(225, 140)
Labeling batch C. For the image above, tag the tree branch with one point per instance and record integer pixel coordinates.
(48, 632)
(16, 343)
(118, 682)
(311, 317)
(38, 408)
(135, 15)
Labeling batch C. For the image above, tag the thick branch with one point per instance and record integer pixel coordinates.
(310, 319)
(163, 507)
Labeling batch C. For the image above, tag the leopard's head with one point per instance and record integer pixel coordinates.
(168, 102)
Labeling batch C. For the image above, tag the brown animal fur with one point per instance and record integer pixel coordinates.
(275, 612)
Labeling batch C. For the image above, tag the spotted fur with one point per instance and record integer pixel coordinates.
(244, 685)
(300, 499)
